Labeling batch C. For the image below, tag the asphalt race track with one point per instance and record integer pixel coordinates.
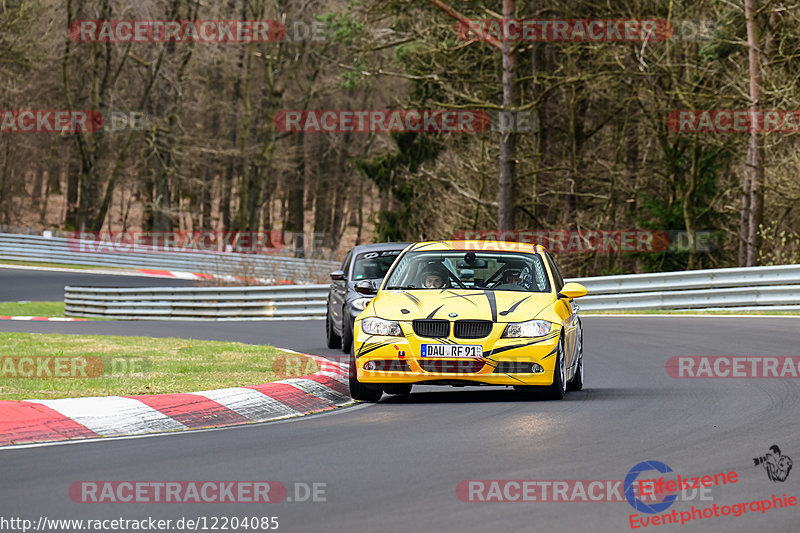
(394, 466)
(18, 284)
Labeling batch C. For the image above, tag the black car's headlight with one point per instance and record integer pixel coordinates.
(359, 304)
(379, 326)
(531, 328)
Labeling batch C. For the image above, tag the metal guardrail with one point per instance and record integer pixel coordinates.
(258, 266)
(746, 289)
(299, 302)
(693, 279)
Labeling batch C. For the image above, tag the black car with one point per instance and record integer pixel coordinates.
(365, 262)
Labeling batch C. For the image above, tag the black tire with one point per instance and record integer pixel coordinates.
(557, 390)
(576, 383)
(398, 388)
(347, 334)
(359, 391)
(333, 340)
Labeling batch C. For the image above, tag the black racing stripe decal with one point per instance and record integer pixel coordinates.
(414, 299)
(372, 348)
(492, 304)
(434, 312)
(513, 307)
(467, 298)
(551, 353)
(365, 343)
(496, 351)
(364, 346)
(492, 364)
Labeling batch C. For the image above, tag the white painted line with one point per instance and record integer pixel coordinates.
(113, 415)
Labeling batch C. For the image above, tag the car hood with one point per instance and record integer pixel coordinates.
(497, 306)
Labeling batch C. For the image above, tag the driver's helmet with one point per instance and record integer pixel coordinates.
(511, 276)
(434, 276)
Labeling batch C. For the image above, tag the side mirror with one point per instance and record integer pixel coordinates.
(365, 286)
(572, 290)
(337, 275)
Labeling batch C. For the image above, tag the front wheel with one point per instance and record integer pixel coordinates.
(359, 391)
(577, 379)
(557, 390)
(347, 334)
(333, 340)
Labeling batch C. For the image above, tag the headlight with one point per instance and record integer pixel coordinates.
(531, 328)
(360, 304)
(379, 326)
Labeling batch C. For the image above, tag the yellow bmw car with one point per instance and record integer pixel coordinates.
(469, 313)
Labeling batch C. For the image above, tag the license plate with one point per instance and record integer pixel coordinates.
(452, 350)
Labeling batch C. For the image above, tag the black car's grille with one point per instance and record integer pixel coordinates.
(431, 328)
(472, 329)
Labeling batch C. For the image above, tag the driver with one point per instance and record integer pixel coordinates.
(511, 276)
(434, 276)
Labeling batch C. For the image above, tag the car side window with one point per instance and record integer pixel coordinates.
(557, 278)
(346, 264)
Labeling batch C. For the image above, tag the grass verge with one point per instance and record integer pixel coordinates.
(13, 262)
(127, 365)
(51, 309)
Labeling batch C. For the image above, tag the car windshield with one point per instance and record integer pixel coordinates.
(374, 265)
(505, 271)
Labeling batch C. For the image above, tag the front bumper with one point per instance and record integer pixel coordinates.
(506, 361)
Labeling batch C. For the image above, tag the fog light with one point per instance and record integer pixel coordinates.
(369, 365)
(518, 367)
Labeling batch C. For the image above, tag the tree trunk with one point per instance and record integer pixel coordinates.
(744, 218)
(323, 194)
(508, 139)
(296, 194)
(754, 148)
(688, 204)
(5, 193)
(539, 133)
(205, 196)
